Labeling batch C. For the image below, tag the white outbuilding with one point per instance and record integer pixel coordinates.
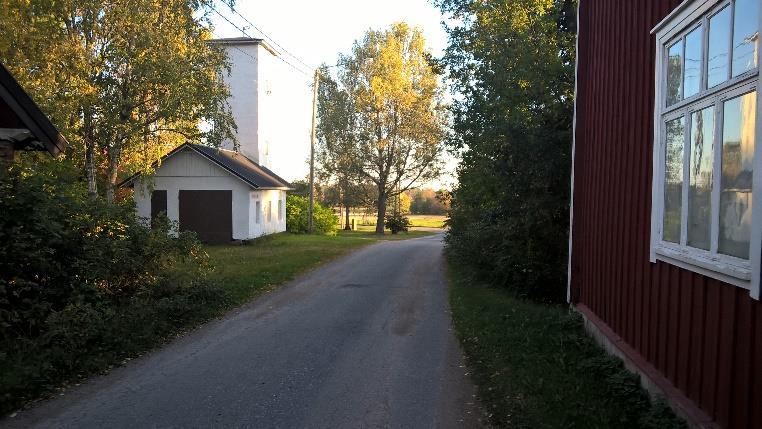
(225, 194)
(220, 194)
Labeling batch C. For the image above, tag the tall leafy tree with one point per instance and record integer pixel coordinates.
(512, 61)
(335, 132)
(126, 80)
(395, 118)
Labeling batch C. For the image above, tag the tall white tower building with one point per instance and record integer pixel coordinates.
(252, 100)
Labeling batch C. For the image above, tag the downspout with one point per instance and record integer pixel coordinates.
(574, 144)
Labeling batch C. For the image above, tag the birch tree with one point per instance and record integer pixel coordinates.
(397, 118)
(126, 80)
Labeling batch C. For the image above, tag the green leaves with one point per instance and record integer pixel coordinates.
(397, 223)
(383, 119)
(83, 281)
(324, 221)
(134, 79)
(513, 63)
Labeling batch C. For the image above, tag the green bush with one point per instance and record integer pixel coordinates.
(324, 221)
(84, 282)
(397, 222)
(509, 213)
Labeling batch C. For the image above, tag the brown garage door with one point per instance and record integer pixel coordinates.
(208, 213)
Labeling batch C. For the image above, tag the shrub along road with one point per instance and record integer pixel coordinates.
(362, 341)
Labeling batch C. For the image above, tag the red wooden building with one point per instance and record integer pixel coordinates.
(666, 238)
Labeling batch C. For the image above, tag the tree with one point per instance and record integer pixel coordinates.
(444, 197)
(401, 204)
(300, 187)
(427, 201)
(348, 195)
(512, 61)
(130, 79)
(335, 132)
(395, 118)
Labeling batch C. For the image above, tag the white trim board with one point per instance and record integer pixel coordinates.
(573, 150)
(735, 271)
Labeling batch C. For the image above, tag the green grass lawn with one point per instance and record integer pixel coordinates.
(246, 271)
(535, 366)
(368, 223)
(430, 221)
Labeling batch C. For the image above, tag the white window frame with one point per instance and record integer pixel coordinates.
(258, 210)
(740, 272)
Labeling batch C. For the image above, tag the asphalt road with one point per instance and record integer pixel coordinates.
(364, 341)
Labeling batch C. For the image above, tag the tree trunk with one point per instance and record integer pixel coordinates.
(347, 226)
(381, 212)
(92, 184)
(113, 172)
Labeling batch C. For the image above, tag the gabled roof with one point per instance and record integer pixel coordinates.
(18, 112)
(253, 174)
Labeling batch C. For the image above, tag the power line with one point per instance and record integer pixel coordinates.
(248, 35)
(269, 38)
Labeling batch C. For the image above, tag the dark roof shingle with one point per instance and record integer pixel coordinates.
(255, 175)
(248, 170)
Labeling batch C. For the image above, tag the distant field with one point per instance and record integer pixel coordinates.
(368, 222)
(430, 221)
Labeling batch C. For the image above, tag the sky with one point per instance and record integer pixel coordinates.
(317, 32)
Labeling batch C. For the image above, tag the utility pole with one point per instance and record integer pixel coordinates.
(312, 152)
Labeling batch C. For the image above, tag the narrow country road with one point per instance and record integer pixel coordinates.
(364, 341)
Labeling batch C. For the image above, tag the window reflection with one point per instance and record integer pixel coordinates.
(719, 35)
(700, 191)
(673, 180)
(674, 73)
(693, 48)
(737, 170)
(745, 36)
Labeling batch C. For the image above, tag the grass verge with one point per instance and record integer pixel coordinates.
(90, 337)
(535, 366)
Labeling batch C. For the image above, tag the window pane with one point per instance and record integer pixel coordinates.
(745, 36)
(674, 73)
(693, 48)
(719, 37)
(737, 168)
(700, 191)
(673, 180)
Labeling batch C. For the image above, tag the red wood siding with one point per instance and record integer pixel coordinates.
(703, 335)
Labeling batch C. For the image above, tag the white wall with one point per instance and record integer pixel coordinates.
(263, 227)
(251, 101)
(266, 109)
(190, 171)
